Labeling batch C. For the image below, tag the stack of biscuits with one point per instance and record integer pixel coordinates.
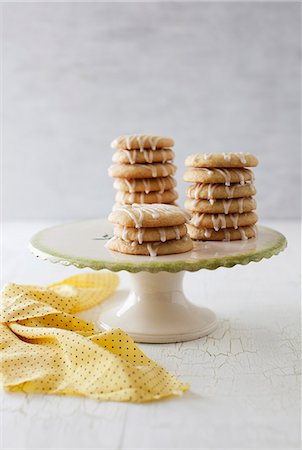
(143, 169)
(221, 200)
(151, 230)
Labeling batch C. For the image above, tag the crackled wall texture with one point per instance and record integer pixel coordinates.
(215, 76)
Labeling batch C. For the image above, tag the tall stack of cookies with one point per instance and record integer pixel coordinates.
(143, 169)
(221, 199)
(149, 230)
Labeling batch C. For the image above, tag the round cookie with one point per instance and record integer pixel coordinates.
(220, 221)
(145, 184)
(221, 160)
(142, 215)
(218, 175)
(141, 197)
(208, 191)
(141, 141)
(141, 235)
(146, 156)
(236, 205)
(227, 234)
(131, 171)
(174, 246)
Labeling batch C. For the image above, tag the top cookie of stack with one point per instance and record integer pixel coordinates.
(220, 199)
(143, 169)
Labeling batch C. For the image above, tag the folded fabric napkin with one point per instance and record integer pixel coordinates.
(46, 349)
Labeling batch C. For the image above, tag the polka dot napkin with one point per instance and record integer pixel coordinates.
(46, 349)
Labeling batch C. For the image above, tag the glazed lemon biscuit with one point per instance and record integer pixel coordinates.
(147, 156)
(226, 234)
(218, 175)
(218, 160)
(181, 245)
(221, 199)
(141, 197)
(141, 235)
(145, 184)
(221, 206)
(139, 158)
(145, 216)
(221, 221)
(131, 171)
(209, 191)
(141, 142)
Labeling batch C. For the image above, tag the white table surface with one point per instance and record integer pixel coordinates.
(245, 385)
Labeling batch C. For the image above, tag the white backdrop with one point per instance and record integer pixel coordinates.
(214, 76)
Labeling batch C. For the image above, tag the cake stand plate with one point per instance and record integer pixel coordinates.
(156, 309)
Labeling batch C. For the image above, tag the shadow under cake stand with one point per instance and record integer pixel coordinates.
(156, 309)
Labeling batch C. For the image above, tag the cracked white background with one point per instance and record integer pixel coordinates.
(217, 77)
(244, 377)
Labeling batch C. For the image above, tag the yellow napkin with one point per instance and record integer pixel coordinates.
(46, 349)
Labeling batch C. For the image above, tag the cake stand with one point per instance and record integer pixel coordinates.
(156, 309)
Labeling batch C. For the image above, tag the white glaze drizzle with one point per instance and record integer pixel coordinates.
(131, 213)
(197, 189)
(240, 205)
(165, 171)
(142, 140)
(152, 251)
(140, 235)
(177, 233)
(164, 155)
(211, 190)
(230, 190)
(130, 184)
(131, 155)
(243, 236)
(234, 218)
(242, 157)
(227, 156)
(197, 219)
(208, 232)
(226, 174)
(146, 183)
(218, 221)
(226, 205)
(162, 234)
(161, 184)
(153, 170)
(255, 229)
(240, 175)
(125, 234)
(148, 155)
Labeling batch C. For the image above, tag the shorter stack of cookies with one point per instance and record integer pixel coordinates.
(143, 169)
(150, 230)
(221, 199)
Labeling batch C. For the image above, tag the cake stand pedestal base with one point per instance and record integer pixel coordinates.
(157, 311)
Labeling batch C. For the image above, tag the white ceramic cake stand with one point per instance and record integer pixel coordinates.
(156, 309)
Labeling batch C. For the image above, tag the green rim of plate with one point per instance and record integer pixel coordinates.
(267, 252)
